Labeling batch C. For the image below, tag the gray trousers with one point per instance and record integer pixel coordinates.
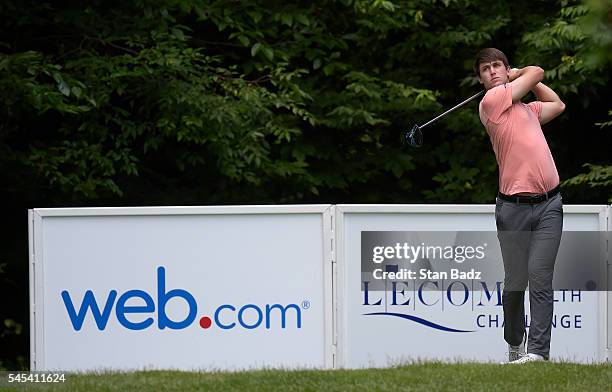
(529, 236)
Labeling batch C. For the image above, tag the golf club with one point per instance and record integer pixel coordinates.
(414, 137)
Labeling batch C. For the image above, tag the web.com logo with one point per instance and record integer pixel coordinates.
(226, 316)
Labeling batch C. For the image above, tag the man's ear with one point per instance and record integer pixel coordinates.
(479, 80)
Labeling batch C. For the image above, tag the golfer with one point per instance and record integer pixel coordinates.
(529, 209)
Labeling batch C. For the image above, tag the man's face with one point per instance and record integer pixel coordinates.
(493, 74)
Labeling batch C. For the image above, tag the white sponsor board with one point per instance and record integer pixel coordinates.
(243, 287)
(406, 322)
(180, 288)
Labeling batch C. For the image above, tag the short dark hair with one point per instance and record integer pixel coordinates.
(489, 55)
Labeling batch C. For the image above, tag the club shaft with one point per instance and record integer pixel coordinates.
(453, 108)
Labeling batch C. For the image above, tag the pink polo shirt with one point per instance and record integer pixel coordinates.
(524, 159)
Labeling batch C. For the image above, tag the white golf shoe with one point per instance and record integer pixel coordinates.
(531, 357)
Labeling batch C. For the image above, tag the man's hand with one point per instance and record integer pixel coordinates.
(526, 79)
(513, 74)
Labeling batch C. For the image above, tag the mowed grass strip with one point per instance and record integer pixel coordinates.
(418, 377)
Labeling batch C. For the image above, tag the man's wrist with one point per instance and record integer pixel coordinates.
(536, 87)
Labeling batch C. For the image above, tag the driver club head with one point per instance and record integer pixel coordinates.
(414, 137)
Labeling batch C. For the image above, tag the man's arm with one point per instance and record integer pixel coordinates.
(552, 106)
(523, 80)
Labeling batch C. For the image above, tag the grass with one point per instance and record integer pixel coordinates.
(417, 377)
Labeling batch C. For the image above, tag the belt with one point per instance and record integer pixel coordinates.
(534, 199)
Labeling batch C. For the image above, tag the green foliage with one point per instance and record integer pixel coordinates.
(305, 96)
(606, 124)
(598, 176)
(9, 327)
(574, 45)
(269, 101)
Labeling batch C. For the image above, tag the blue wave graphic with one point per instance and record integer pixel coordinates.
(417, 320)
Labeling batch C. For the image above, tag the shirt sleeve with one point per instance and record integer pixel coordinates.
(496, 101)
(536, 107)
